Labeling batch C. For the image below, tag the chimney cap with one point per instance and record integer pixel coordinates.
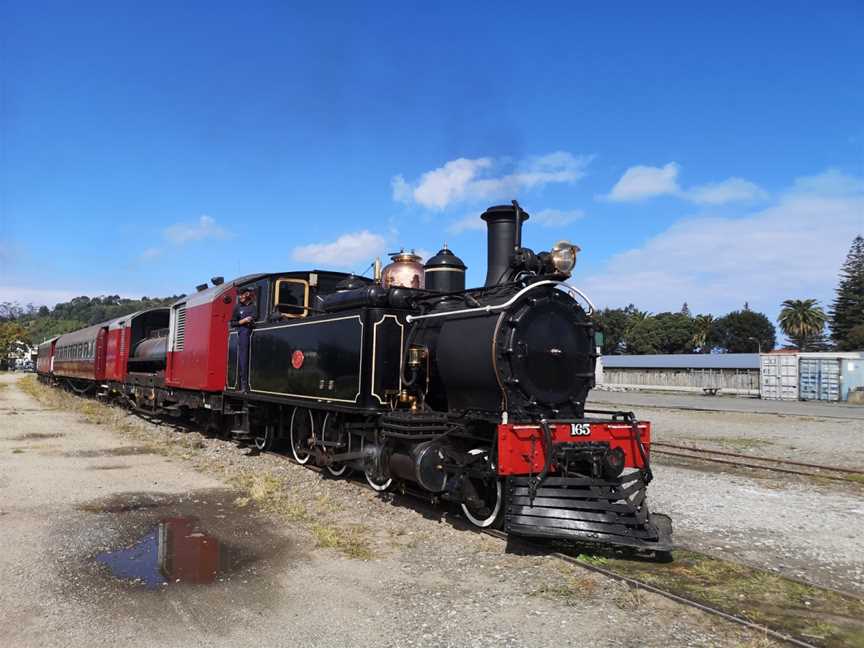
(498, 212)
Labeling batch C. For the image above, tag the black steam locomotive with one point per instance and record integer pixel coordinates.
(476, 396)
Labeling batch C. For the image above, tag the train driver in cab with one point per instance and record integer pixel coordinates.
(243, 318)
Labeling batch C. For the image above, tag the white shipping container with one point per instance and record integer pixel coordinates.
(778, 376)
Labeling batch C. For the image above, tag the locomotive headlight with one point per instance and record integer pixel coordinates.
(564, 256)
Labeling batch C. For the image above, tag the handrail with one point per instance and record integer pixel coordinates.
(491, 308)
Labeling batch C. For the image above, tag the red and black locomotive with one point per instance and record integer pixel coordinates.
(474, 395)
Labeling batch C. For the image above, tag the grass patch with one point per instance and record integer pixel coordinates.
(351, 541)
(589, 559)
(571, 587)
(804, 611)
(270, 494)
(630, 598)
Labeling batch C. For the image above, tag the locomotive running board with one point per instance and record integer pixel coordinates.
(583, 509)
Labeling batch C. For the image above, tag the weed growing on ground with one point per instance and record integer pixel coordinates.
(818, 630)
(351, 541)
(762, 641)
(571, 588)
(630, 598)
(590, 559)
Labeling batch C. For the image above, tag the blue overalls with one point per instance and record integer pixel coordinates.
(244, 333)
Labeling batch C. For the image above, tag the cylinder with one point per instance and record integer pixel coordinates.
(149, 355)
(504, 234)
(424, 466)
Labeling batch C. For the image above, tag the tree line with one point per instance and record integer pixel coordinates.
(28, 324)
(803, 321)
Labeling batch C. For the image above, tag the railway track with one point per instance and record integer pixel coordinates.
(772, 464)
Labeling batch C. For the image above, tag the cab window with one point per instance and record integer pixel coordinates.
(292, 297)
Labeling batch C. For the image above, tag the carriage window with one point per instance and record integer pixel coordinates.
(292, 297)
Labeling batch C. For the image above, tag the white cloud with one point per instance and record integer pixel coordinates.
(643, 182)
(792, 249)
(204, 228)
(347, 251)
(830, 183)
(470, 221)
(730, 190)
(466, 180)
(181, 233)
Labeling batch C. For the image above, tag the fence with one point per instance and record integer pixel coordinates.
(734, 381)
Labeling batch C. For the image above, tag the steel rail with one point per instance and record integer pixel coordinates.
(739, 464)
(851, 471)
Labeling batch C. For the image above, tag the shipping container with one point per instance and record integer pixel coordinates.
(819, 379)
(779, 376)
(826, 375)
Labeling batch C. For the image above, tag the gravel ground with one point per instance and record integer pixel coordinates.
(73, 490)
(810, 534)
(798, 527)
(811, 439)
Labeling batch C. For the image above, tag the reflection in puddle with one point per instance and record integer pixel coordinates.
(176, 551)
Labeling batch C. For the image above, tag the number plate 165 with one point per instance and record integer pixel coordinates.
(580, 429)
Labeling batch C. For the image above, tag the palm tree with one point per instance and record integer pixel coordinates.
(802, 321)
(702, 333)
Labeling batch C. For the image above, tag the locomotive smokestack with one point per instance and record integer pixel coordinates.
(504, 235)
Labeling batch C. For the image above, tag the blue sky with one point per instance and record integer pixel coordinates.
(713, 155)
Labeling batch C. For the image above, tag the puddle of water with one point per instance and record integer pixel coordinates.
(143, 543)
(176, 551)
